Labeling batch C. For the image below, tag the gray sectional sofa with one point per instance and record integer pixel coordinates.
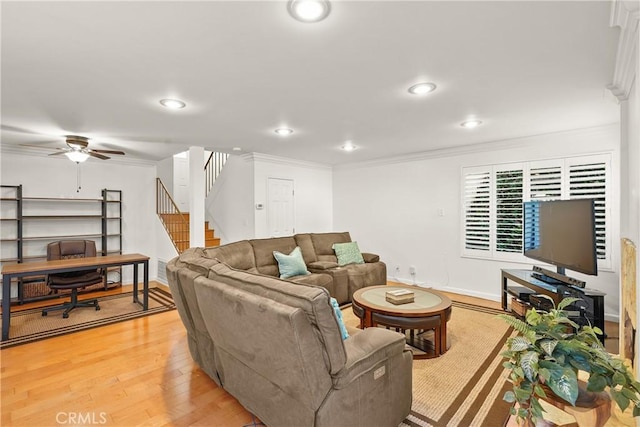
(275, 344)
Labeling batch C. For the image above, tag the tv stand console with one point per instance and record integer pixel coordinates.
(590, 309)
(554, 278)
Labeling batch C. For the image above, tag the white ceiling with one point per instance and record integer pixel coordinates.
(98, 69)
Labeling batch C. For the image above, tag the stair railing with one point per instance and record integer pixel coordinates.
(176, 224)
(212, 169)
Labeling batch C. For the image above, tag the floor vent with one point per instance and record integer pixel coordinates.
(162, 272)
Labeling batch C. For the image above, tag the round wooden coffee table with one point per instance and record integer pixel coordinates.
(423, 321)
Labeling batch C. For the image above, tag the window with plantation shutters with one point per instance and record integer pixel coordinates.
(545, 182)
(589, 181)
(509, 211)
(477, 210)
(493, 199)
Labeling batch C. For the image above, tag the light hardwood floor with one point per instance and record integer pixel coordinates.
(132, 373)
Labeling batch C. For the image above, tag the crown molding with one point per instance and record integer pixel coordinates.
(625, 14)
(506, 144)
(267, 158)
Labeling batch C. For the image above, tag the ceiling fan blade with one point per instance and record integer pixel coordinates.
(92, 153)
(59, 152)
(107, 151)
(42, 147)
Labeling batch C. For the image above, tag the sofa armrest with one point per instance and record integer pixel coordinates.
(365, 351)
(322, 265)
(370, 257)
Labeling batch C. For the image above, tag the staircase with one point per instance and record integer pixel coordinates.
(177, 223)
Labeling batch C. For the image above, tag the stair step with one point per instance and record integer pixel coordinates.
(179, 231)
(212, 242)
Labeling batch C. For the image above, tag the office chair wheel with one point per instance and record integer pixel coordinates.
(44, 313)
(65, 315)
(97, 308)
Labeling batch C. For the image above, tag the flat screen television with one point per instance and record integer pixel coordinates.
(562, 233)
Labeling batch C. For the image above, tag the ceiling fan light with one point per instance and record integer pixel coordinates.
(77, 156)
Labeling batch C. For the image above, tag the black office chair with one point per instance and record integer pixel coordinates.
(72, 280)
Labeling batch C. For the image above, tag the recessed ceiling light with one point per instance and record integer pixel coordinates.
(348, 146)
(309, 10)
(470, 124)
(237, 149)
(422, 88)
(284, 131)
(174, 104)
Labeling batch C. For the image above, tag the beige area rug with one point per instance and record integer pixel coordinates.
(463, 387)
(30, 325)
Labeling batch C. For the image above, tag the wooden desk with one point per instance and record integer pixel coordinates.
(75, 264)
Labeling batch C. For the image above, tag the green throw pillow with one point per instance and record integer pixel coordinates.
(348, 253)
(292, 264)
(338, 312)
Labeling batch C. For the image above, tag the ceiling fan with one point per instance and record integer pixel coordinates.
(78, 150)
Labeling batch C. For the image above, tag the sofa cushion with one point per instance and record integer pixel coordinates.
(313, 300)
(348, 253)
(336, 310)
(323, 244)
(238, 254)
(306, 245)
(263, 252)
(292, 264)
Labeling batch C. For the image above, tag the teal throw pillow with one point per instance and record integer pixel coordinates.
(348, 253)
(292, 264)
(338, 312)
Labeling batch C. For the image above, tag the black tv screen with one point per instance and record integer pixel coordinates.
(562, 233)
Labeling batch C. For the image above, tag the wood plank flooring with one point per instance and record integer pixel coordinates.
(138, 372)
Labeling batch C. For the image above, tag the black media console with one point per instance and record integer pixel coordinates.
(589, 310)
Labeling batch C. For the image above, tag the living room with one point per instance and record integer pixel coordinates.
(404, 204)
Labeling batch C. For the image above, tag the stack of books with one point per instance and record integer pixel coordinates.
(400, 296)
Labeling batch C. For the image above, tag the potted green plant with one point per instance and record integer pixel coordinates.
(546, 356)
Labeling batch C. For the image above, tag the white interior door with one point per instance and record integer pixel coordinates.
(280, 213)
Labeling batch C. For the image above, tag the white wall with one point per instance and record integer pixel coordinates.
(392, 208)
(229, 206)
(313, 189)
(56, 177)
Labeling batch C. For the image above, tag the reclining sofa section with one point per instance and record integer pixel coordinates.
(276, 346)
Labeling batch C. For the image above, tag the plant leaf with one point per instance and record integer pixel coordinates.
(529, 363)
(565, 386)
(621, 399)
(548, 346)
(539, 391)
(519, 344)
(596, 383)
(509, 396)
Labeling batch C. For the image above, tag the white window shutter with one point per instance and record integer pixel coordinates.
(477, 210)
(588, 181)
(509, 192)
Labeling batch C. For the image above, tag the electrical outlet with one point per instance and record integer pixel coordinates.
(412, 270)
(397, 269)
